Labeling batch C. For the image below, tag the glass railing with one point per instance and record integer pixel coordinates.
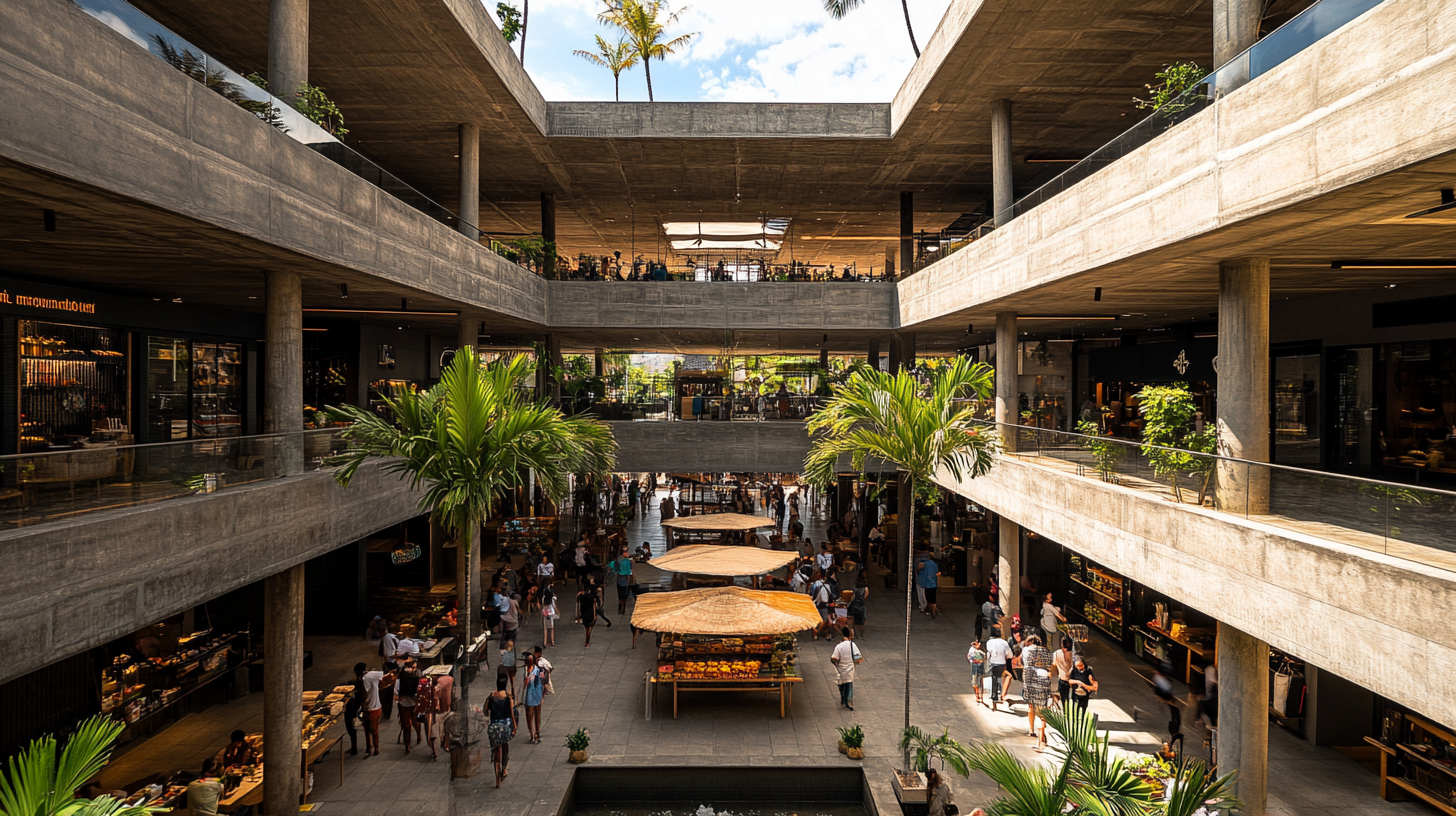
(657, 271)
(1307, 28)
(55, 485)
(1409, 521)
(195, 63)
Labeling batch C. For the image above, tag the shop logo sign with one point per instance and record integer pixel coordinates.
(1182, 362)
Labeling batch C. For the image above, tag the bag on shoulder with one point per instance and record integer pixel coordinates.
(1016, 650)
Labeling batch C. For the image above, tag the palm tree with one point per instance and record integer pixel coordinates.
(525, 21)
(838, 8)
(922, 431)
(615, 58)
(1092, 780)
(38, 783)
(466, 442)
(642, 26)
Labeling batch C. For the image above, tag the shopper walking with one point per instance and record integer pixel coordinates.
(1163, 688)
(990, 618)
(621, 569)
(1083, 682)
(1050, 614)
(549, 614)
(1036, 685)
(941, 798)
(1062, 662)
(511, 618)
(998, 656)
(354, 710)
(976, 656)
(426, 707)
(928, 579)
(500, 711)
(507, 666)
(845, 657)
(535, 690)
(373, 709)
(405, 688)
(587, 607)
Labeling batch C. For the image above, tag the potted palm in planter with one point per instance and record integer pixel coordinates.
(921, 747)
(851, 742)
(577, 741)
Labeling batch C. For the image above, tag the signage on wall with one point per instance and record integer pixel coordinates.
(52, 304)
(1181, 363)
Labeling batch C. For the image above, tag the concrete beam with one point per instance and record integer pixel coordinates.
(697, 120)
(717, 447)
(769, 307)
(68, 586)
(1300, 594)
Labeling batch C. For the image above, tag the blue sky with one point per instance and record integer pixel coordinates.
(744, 51)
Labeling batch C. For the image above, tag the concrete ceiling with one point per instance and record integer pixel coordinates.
(406, 72)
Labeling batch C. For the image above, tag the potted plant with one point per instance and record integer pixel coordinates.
(851, 742)
(577, 741)
(921, 748)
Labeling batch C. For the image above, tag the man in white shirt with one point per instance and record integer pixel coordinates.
(845, 657)
(389, 646)
(372, 709)
(998, 656)
(819, 591)
(798, 583)
(824, 560)
(546, 572)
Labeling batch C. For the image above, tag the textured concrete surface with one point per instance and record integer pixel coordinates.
(69, 586)
(764, 306)
(720, 447)
(701, 120)
(1315, 161)
(92, 107)
(1323, 601)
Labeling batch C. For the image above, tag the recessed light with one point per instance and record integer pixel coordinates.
(1390, 285)
(176, 300)
(250, 297)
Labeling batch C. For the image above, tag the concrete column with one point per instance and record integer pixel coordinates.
(890, 251)
(1008, 400)
(897, 350)
(468, 335)
(287, 48)
(1243, 384)
(548, 231)
(1001, 192)
(907, 349)
(469, 225)
(823, 359)
(1243, 716)
(1235, 28)
(283, 366)
(873, 358)
(907, 233)
(1008, 568)
(906, 510)
(282, 690)
(601, 363)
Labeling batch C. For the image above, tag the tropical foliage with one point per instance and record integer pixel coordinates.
(921, 747)
(42, 780)
(615, 57)
(1173, 80)
(644, 24)
(1086, 778)
(922, 429)
(1105, 451)
(838, 8)
(1172, 442)
(513, 22)
(468, 441)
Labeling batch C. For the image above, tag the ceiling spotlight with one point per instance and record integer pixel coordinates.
(176, 300)
(970, 328)
(1097, 293)
(344, 290)
(1448, 200)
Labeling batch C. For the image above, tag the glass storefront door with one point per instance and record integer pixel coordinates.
(194, 389)
(1352, 373)
(1297, 409)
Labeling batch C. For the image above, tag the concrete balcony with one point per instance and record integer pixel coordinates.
(1328, 593)
(73, 584)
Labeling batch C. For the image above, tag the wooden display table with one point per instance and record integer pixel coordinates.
(782, 686)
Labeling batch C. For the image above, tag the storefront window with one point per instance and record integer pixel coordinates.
(194, 390)
(73, 385)
(1296, 409)
(1420, 388)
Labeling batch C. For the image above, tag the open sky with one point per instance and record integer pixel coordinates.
(743, 51)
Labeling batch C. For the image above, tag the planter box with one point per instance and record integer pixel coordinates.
(920, 793)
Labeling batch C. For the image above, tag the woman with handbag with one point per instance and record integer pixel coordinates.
(941, 797)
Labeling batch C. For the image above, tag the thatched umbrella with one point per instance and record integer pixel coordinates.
(717, 522)
(725, 611)
(729, 562)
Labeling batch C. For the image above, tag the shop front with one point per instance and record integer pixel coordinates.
(1115, 375)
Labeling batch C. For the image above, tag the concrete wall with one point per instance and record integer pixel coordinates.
(1380, 621)
(739, 306)
(69, 586)
(1336, 114)
(84, 103)
(718, 447)
(741, 120)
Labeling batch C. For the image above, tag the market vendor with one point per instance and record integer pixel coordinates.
(204, 792)
(238, 753)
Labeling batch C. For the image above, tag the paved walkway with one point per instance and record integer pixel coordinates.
(601, 689)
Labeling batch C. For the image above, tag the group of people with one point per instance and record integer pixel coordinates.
(500, 707)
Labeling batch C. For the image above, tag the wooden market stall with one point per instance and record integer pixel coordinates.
(726, 525)
(726, 639)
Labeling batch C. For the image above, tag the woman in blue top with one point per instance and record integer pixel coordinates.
(927, 580)
(535, 690)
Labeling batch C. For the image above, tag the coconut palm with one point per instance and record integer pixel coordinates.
(615, 58)
(466, 442)
(838, 8)
(643, 26)
(1087, 779)
(923, 431)
(40, 783)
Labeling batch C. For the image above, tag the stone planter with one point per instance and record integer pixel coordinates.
(577, 757)
(854, 753)
(918, 792)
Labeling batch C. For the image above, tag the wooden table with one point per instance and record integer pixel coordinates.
(248, 792)
(321, 745)
(431, 656)
(782, 686)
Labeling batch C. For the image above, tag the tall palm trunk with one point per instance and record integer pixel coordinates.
(904, 4)
(526, 20)
(617, 86)
(909, 607)
(647, 67)
(467, 610)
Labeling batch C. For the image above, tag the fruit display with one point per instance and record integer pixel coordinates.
(713, 657)
(716, 669)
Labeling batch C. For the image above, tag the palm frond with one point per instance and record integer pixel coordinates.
(1029, 791)
(1194, 787)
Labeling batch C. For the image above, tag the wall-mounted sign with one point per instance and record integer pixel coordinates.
(51, 304)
